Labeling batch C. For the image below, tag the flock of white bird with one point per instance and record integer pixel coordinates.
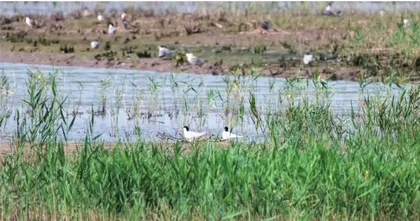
(190, 136)
(192, 59)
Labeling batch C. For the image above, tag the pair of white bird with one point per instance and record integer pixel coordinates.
(191, 135)
(192, 59)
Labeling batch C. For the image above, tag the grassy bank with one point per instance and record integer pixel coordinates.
(313, 164)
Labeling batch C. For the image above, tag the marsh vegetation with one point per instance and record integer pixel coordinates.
(312, 163)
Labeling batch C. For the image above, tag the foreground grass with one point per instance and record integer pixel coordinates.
(311, 166)
(373, 177)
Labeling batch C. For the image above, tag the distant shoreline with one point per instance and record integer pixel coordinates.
(149, 64)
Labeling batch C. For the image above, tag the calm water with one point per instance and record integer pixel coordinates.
(156, 95)
(11, 8)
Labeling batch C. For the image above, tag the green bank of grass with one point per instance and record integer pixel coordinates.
(310, 166)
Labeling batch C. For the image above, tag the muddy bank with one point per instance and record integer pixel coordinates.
(340, 47)
(160, 65)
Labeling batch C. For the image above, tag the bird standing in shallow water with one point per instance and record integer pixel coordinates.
(229, 135)
(190, 135)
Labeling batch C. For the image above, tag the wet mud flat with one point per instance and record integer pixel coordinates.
(342, 47)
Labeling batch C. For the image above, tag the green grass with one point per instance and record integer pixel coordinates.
(312, 165)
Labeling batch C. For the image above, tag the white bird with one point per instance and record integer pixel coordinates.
(382, 13)
(86, 12)
(163, 52)
(94, 44)
(100, 18)
(111, 29)
(406, 23)
(308, 58)
(193, 59)
(229, 135)
(190, 135)
(219, 25)
(123, 15)
(328, 8)
(29, 21)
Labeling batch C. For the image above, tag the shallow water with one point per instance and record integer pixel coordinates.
(46, 8)
(83, 88)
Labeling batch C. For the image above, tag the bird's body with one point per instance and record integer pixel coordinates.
(308, 58)
(164, 52)
(328, 10)
(382, 13)
(406, 23)
(193, 59)
(111, 29)
(100, 18)
(229, 135)
(29, 21)
(86, 12)
(190, 135)
(94, 44)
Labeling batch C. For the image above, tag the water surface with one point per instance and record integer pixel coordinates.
(168, 101)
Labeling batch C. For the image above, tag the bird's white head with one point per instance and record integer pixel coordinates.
(123, 15)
